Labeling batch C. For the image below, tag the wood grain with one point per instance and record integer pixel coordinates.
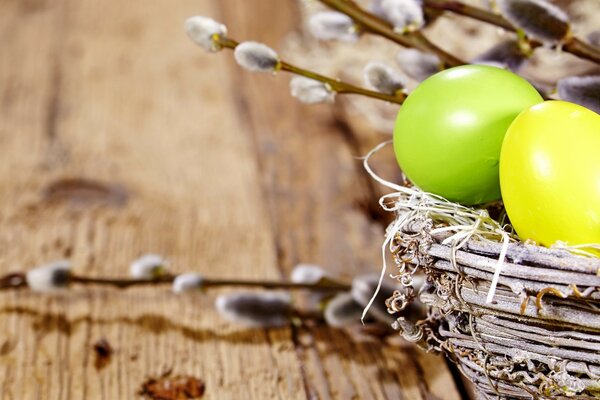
(118, 137)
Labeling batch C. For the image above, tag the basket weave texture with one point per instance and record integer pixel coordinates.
(539, 337)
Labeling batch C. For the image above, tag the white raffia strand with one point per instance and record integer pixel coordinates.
(587, 249)
(410, 203)
(490, 296)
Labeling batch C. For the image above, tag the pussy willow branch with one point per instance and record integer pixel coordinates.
(336, 85)
(372, 23)
(17, 280)
(572, 45)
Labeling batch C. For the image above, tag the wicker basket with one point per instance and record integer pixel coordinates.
(538, 338)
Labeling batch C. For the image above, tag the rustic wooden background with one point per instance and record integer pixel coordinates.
(118, 137)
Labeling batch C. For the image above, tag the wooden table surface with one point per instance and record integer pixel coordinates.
(118, 137)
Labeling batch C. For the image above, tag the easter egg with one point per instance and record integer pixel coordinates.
(449, 131)
(550, 174)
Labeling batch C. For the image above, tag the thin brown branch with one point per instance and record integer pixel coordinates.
(467, 10)
(121, 283)
(343, 87)
(372, 23)
(572, 45)
(13, 280)
(336, 85)
(324, 285)
(17, 280)
(581, 49)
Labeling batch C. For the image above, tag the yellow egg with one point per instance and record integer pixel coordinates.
(550, 174)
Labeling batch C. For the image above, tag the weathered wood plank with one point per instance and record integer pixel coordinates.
(118, 136)
(109, 92)
(321, 209)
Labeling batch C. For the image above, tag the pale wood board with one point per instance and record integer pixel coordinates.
(152, 145)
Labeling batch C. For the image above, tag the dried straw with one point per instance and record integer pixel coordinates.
(520, 320)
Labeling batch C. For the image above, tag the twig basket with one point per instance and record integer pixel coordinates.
(538, 338)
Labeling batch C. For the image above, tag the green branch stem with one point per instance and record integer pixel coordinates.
(343, 87)
(572, 44)
(373, 24)
(336, 85)
(18, 280)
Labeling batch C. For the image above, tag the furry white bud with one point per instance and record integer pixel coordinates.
(307, 273)
(582, 90)
(405, 15)
(256, 57)
(364, 286)
(187, 283)
(594, 38)
(375, 8)
(202, 31)
(332, 25)
(255, 309)
(490, 63)
(506, 54)
(538, 18)
(488, 5)
(383, 78)
(418, 65)
(342, 311)
(49, 277)
(311, 274)
(310, 91)
(148, 266)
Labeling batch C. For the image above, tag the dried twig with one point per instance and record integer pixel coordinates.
(372, 23)
(336, 85)
(573, 44)
(17, 280)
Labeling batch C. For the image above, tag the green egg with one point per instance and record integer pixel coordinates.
(449, 131)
